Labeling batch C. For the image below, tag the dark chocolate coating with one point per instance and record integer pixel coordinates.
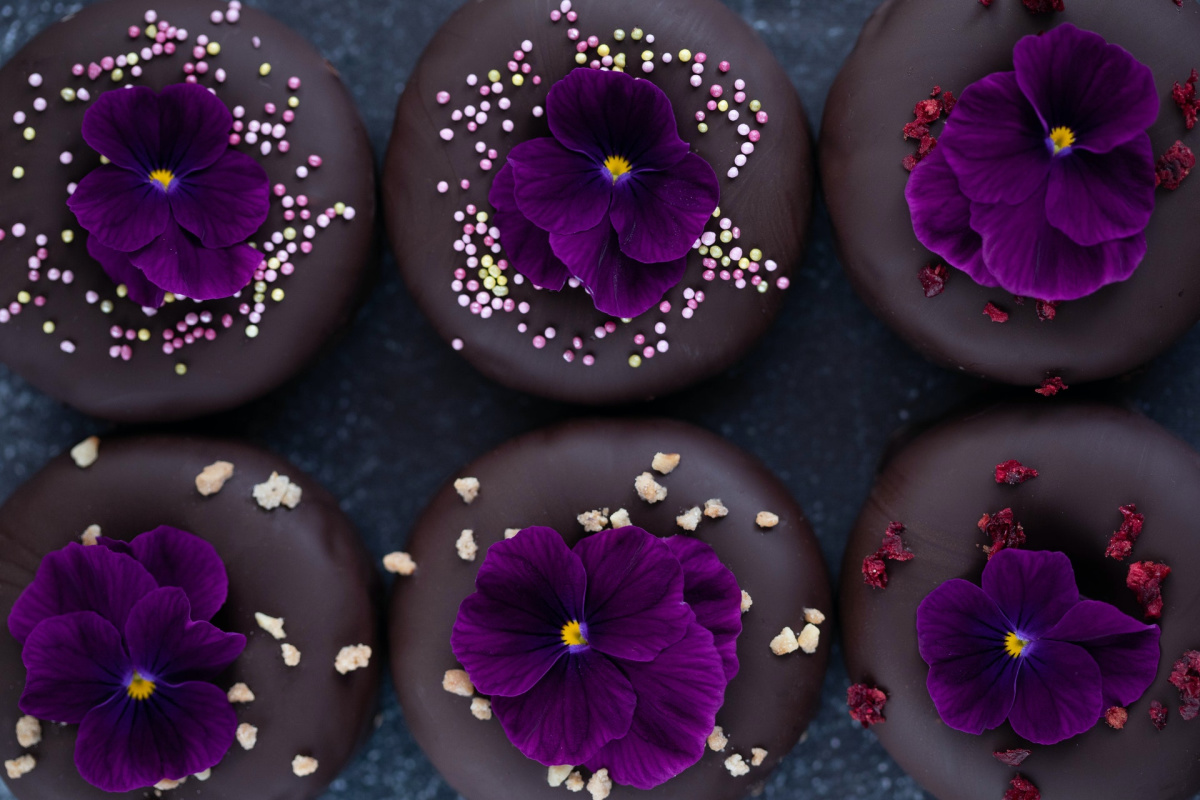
(770, 200)
(1091, 459)
(548, 478)
(306, 565)
(233, 369)
(907, 48)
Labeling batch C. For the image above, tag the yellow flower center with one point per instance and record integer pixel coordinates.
(1062, 138)
(572, 633)
(140, 688)
(1013, 644)
(617, 166)
(163, 176)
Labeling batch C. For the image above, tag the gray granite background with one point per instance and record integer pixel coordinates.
(393, 412)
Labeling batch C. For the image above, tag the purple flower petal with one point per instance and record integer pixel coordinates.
(1094, 199)
(620, 286)
(194, 127)
(166, 644)
(179, 558)
(1125, 649)
(678, 696)
(1058, 691)
(223, 204)
(582, 703)
(527, 245)
(712, 591)
(941, 216)
(1032, 588)
(602, 113)
(123, 125)
(557, 189)
(634, 607)
(660, 215)
(1077, 80)
(79, 578)
(121, 270)
(73, 663)
(179, 730)
(179, 263)
(996, 144)
(508, 634)
(124, 210)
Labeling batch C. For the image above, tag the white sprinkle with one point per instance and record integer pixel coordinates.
(301, 172)
(35, 80)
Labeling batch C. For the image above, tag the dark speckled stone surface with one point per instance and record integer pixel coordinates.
(392, 411)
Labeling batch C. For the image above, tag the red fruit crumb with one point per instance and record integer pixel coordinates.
(1121, 544)
(1013, 758)
(993, 312)
(875, 571)
(1051, 387)
(1175, 165)
(1047, 309)
(1185, 676)
(1022, 789)
(925, 113)
(1014, 473)
(1044, 6)
(1185, 98)
(933, 279)
(1158, 715)
(1145, 578)
(866, 704)
(985, 3)
(1002, 530)
(1116, 717)
(874, 568)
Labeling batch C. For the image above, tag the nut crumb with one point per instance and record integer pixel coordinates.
(757, 756)
(809, 638)
(166, 784)
(556, 775)
(766, 519)
(620, 519)
(247, 736)
(575, 782)
(456, 681)
(20, 766)
(747, 601)
(29, 731)
(467, 488)
(212, 479)
(665, 462)
(511, 532)
(277, 490)
(814, 616)
(785, 643)
(203, 776)
(89, 536)
(481, 709)
(85, 454)
(593, 521)
(304, 765)
(649, 489)
(466, 547)
(272, 625)
(599, 786)
(689, 519)
(352, 657)
(399, 563)
(291, 656)
(240, 693)
(737, 765)
(715, 509)
(717, 739)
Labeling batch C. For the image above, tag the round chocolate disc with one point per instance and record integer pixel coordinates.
(305, 564)
(549, 478)
(480, 88)
(1091, 460)
(65, 326)
(908, 48)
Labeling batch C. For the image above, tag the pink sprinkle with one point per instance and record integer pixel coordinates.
(77, 70)
(202, 67)
(610, 326)
(269, 108)
(723, 66)
(227, 320)
(107, 63)
(539, 341)
(555, 15)
(94, 70)
(699, 116)
(114, 351)
(234, 139)
(289, 115)
(648, 352)
(761, 117)
(639, 339)
(665, 306)
(700, 58)
(573, 34)
(293, 83)
(280, 190)
(126, 352)
(588, 360)
(783, 283)
(739, 97)
(443, 97)
(715, 90)
(593, 41)
(134, 31)
(169, 48)
(754, 136)
(210, 334)
(572, 16)
(464, 184)
(198, 53)
(284, 145)
(568, 356)
(577, 343)
(712, 105)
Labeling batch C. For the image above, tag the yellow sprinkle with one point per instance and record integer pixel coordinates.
(717, 211)
(122, 290)
(702, 127)
(29, 133)
(181, 368)
(743, 262)
(259, 297)
(725, 262)
(214, 48)
(647, 55)
(18, 172)
(293, 101)
(493, 271)
(168, 298)
(635, 361)
(131, 59)
(715, 251)
(273, 263)
(618, 69)
(755, 105)
(104, 160)
(502, 280)
(289, 233)
(339, 208)
(264, 69)
(493, 75)
(685, 55)
(151, 31)
(762, 287)
(637, 33)
(68, 236)
(106, 306)
(726, 236)
(489, 283)
(580, 58)
(723, 106)
(23, 297)
(277, 294)
(251, 331)
(483, 273)
(619, 35)
(47, 327)
(118, 75)
(260, 286)
(603, 50)
(144, 335)
(67, 94)
(500, 291)
(703, 250)
(756, 254)
(518, 79)
(487, 259)
(482, 217)
(619, 60)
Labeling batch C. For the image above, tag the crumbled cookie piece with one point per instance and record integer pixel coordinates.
(717, 739)
(665, 462)
(599, 786)
(715, 509)
(303, 766)
(85, 453)
(620, 519)
(456, 681)
(166, 784)
(747, 601)
(247, 736)
(277, 490)
(352, 657)
(785, 643)
(240, 693)
(766, 519)
(575, 782)
(481, 708)
(466, 547)
(291, 656)
(212, 479)
(399, 563)
(809, 638)
(757, 756)
(556, 775)
(649, 489)
(737, 765)
(593, 521)
(272, 625)
(689, 519)
(90, 536)
(813, 616)
(203, 776)
(511, 532)
(20, 766)
(467, 488)
(29, 731)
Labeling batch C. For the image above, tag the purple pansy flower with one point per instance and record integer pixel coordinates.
(613, 198)
(1025, 647)
(116, 639)
(1042, 182)
(173, 209)
(614, 654)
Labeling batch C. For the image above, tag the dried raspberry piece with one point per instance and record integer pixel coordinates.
(1116, 717)
(933, 279)
(875, 571)
(1014, 473)
(1002, 530)
(993, 312)
(1158, 714)
(1022, 789)
(1051, 387)
(949, 101)
(1145, 578)
(925, 113)
(1185, 676)
(874, 568)
(1121, 543)
(1047, 310)
(1013, 758)
(1044, 6)
(1185, 98)
(866, 704)
(1175, 165)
